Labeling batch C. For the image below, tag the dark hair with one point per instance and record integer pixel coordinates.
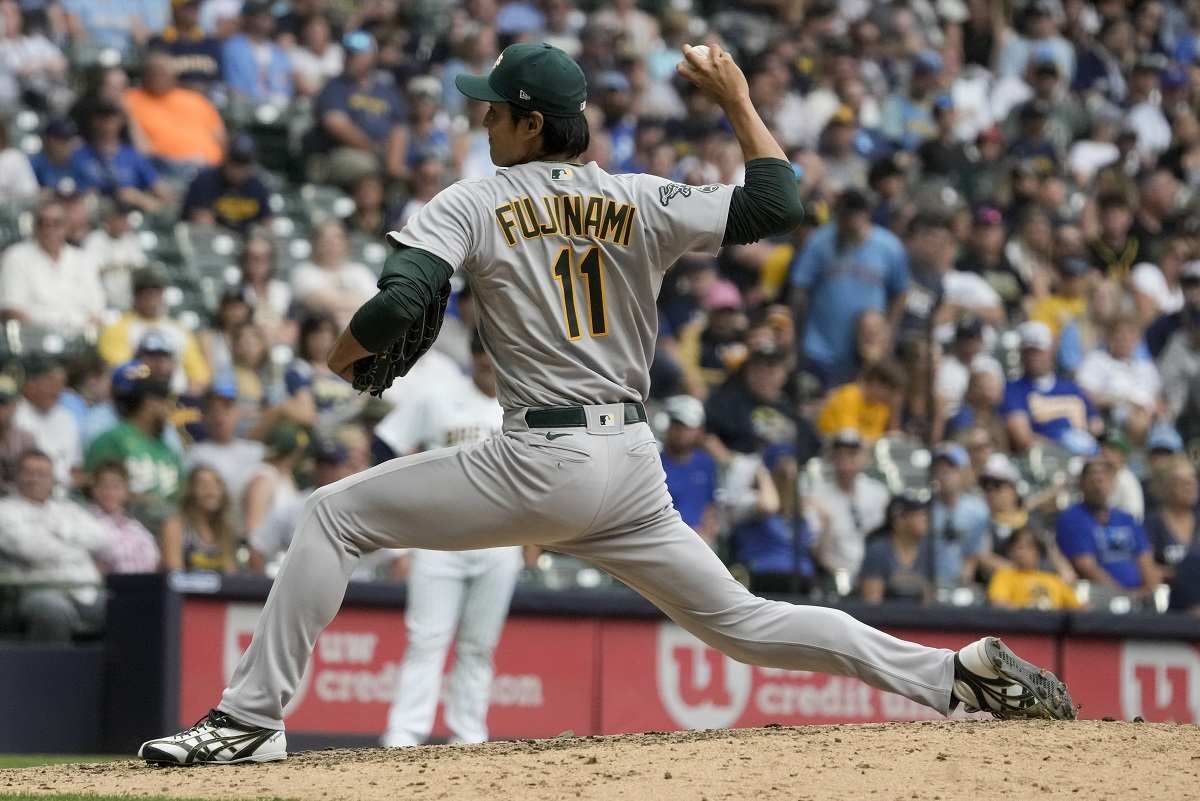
(1025, 531)
(110, 466)
(886, 373)
(309, 326)
(561, 136)
(32, 453)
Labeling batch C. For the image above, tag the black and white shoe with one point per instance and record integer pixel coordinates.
(989, 677)
(216, 739)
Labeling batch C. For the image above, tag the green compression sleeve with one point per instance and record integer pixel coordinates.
(410, 281)
(768, 204)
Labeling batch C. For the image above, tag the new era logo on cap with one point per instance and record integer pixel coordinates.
(524, 95)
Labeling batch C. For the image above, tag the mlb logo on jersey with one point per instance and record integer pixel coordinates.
(559, 174)
(606, 420)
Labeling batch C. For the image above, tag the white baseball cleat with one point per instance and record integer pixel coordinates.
(989, 677)
(216, 739)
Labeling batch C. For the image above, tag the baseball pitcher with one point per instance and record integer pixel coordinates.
(565, 261)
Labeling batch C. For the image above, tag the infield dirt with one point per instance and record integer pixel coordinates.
(940, 761)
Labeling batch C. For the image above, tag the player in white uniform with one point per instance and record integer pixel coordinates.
(447, 590)
(565, 262)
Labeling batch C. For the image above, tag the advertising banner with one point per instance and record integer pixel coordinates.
(544, 682)
(1158, 681)
(681, 683)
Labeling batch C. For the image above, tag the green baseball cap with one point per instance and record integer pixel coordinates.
(536, 77)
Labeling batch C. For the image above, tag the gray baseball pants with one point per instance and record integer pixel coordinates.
(598, 494)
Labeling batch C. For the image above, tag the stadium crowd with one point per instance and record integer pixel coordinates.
(972, 376)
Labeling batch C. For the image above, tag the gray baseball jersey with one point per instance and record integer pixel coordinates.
(565, 263)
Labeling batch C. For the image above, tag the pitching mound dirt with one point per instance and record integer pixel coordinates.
(950, 760)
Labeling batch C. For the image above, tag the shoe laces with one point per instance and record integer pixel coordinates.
(211, 718)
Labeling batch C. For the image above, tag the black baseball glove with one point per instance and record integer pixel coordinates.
(376, 372)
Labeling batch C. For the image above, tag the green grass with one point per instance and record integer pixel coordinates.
(33, 760)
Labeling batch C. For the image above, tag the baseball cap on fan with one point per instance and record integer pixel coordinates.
(535, 77)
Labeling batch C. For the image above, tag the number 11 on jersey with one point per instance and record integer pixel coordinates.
(591, 267)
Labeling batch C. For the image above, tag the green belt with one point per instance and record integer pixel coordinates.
(576, 417)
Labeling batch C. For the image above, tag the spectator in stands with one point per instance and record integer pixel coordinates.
(1119, 382)
(119, 341)
(843, 509)
(1171, 526)
(1105, 545)
(427, 134)
(201, 535)
(131, 548)
(219, 18)
(846, 267)
(14, 440)
(1117, 247)
(898, 562)
(253, 65)
(360, 118)
(315, 396)
(908, 116)
(38, 64)
(958, 519)
(691, 471)
(108, 165)
(1025, 585)
(235, 460)
(425, 181)
(331, 283)
(371, 217)
(1179, 364)
(771, 548)
(87, 396)
(195, 55)
(230, 194)
(1159, 334)
(116, 251)
(124, 25)
(1162, 446)
(47, 548)
(270, 297)
(48, 282)
(1157, 288)
(54, 162)
(316, 58)
(42, 413)
(182, 128)
(143, 404)
(870, 405)
(985, 256)
(750, 410)
(965, 358)
(1040, 404)
(273, 485)
(270, 541)
(1127, 490)
(255, 376)
(939, 293)
(1067, 302)
(233, 310)
(18, 182)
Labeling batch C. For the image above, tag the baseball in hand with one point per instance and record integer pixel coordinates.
(702, 51)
